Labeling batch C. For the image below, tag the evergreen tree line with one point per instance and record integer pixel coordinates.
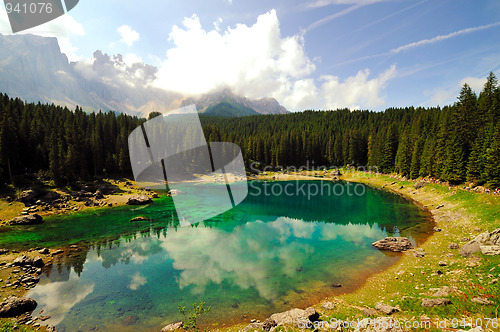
(455, 143)
(60, 144)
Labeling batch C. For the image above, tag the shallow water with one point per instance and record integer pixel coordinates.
(269, 254)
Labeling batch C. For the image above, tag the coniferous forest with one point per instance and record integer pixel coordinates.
(457, 143)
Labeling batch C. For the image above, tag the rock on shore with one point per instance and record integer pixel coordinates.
(15, 306)
(393, 244)
(482, 240)
(139, 200)
(32, 219)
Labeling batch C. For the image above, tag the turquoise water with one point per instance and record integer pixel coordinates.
(269, 254)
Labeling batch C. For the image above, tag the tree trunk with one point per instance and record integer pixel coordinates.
(10, 171)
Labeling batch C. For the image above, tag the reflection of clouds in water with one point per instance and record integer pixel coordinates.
(356, 233)
(137, 281)
(137, 251)
(252, 252)
(57, 298)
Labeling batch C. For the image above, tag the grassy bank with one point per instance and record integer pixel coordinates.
(121, 189)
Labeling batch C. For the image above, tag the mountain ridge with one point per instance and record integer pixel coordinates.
(34, 69)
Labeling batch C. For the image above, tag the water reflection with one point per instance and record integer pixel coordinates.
(57, 298)
(264, 256)
(253, 262)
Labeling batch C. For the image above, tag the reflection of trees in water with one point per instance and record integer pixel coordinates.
(109, 248)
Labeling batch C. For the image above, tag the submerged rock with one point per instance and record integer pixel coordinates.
(139, 200)
(140, 218)
(172, 327)
(27, 220)
(174, 192)
(393, 244)
(15, 306)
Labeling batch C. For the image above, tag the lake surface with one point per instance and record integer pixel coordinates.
(269, 254)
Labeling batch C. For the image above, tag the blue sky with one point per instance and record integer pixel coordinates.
(320, 54)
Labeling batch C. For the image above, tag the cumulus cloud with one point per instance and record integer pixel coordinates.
(63, 28)
(444, 96)
(257, 61)
(476, 83)
(356, 91)
(129, 36)
(117, 70)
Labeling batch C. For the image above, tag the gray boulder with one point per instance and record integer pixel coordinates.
(51, 196)
(15, 306)
(435, 302)
(294, 315)
(32, 219)
(22, 261)
(38, 262)
(474, 245)
(386, 309)
(27, 196)
(139, 200)
(490, 250)
(393, 244)
(419, 184)
(482, 300)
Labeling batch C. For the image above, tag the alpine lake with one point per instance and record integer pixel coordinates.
(277, 250)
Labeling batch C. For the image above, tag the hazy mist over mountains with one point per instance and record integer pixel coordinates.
(34, 69)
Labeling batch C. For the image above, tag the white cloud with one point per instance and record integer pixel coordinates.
(356, 91)
(63, 28)
(476, 83)
(256, 61)
(117, 70)
(323, 3)
(443, 37)
(129, 36)
(442, 96)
